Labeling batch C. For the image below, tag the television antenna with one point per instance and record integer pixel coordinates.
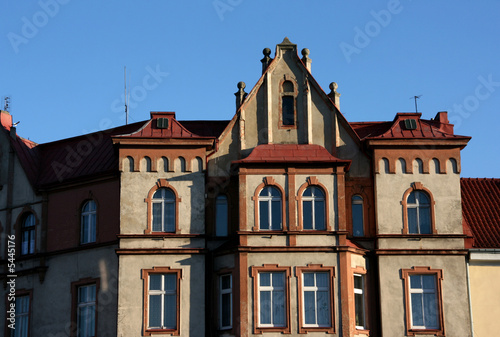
(6, 103)
(126, 95)
(415, 98)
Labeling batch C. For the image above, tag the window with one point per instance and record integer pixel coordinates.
(313, 208)
(163, 210)
(270, 209)
(221, 216)
(419, 213)
(359, 301)
(86, 311)
(315, 298)
(88, 222)
(287, 104)
(225, 302)
(22, 317)
(272, 304)
(424, 313)
(28, 235)
(271, 299)
(357, 216)
(162, 300)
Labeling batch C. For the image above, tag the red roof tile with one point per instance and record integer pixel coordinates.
(291, 153)
(481, 210)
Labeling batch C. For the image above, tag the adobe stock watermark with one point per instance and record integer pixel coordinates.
(31, 26)
(471, 103)
(223, 6)
(363, 37)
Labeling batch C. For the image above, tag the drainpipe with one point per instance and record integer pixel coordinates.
(470, 303)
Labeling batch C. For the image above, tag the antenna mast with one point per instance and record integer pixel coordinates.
(126, 95)
(6, 103)
(415, 98)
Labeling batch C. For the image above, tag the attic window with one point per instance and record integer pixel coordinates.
(410, 124)
(162, 123)
(287, 106)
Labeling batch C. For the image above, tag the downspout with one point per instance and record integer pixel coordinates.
(470, 303)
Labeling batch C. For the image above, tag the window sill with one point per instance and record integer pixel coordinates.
(362, 332)
(306, 329)
(260, 330)
(171, 332)
(435, 332)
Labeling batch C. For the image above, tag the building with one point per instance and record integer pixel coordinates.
(287, 219)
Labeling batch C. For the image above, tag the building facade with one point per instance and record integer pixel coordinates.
(287, 219)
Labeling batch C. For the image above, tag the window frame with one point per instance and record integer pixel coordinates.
(161, 183)
(418, 186)
(146, 331)
(18, 294)
(225, 292)
(292, 94)
(270, 268)
(216, 212)
(75, 286)
(423, 270)
(299, 273)
(269, 182)
(313, 182)
(362, 203)
(361, 273)
(31, 233)
(88, 214)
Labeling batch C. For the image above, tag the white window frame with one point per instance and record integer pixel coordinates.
(360, 291)
(417, 205)
(163, 201)
(162, 292)
(268, 199)
(314, 199)
(82, 305)
(423, 291)
(91, 216)
(316, 289)
(272, 289)
(223, 292)
(22, 317)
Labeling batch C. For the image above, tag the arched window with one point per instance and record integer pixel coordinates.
(357, 216)
(418, 208)
(28, 235)
(163, 209)
(270, 209)
(313, 208)
(88, 222)
(221, 216)
(287, 103)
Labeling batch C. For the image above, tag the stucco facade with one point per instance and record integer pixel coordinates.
(285, 220)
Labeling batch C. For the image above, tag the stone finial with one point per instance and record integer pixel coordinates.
(305, 58)
(266, 60)
(240, 94)
(334, 95)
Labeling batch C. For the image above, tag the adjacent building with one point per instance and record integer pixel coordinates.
(285, 220)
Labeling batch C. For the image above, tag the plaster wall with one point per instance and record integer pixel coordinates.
(454, 291)
(292, 260)
(445, 188)
(192, 292)
(485, 297)
(52, 298)
(134, 189)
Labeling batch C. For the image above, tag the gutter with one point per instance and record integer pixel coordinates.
(470, 300)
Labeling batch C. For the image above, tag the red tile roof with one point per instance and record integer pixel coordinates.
(291, 153)
(438, 128)
(205, 128)
(481, 210)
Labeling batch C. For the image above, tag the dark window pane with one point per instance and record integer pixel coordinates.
(359, 309)
(425, 220)
(276, 215)
(416, 310)
(264, 214)
(319, 214)
(307, 215)
(288, 110)
(221, 219)
(357, 220)
(226, 309)
(412, 221)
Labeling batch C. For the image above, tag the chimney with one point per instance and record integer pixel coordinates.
(240, 94)
(334, 95)
(305, 58)
(266, 60)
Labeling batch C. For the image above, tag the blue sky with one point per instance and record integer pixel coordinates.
(62, 61)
